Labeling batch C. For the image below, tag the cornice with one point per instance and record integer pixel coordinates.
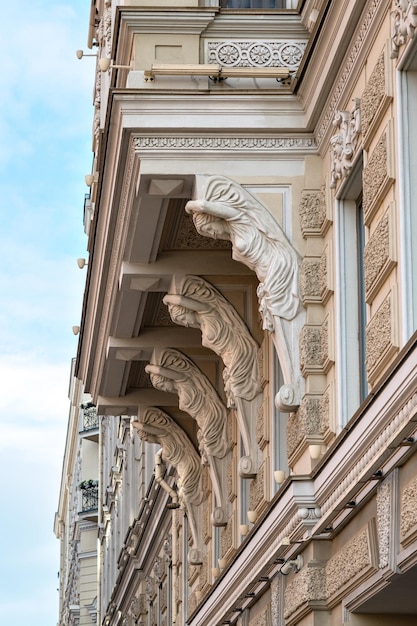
(112, 275)
(374, 442)
(178, 21)
(256, 558)
(351, 67)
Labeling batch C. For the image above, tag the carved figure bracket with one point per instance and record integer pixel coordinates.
(172, 371)
(196, 303)
(155, 426)
(225, 210)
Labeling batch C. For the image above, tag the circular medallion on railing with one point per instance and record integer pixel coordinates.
(228, 54)
(260, 54)
(290, 55)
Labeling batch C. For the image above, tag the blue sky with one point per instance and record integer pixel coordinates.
(46, 118)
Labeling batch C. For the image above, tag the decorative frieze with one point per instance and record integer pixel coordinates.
(377, 95)
(256, 53)
(182, 143)
(344, 142)
(346, 74)
(354, 562)
(316, 348)
(378, 175)
(307, 590)
(380, 254)
(409, 513)
(314, 220)
(381, 336)
(404, 24)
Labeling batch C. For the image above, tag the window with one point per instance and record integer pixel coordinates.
(244, 485)
(407, 149)
(360, 237)
(350, 299)
(279, 425)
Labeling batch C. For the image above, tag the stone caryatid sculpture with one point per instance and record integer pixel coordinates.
(198, 304)
(225, 210)
(172, 371)
(155, 426)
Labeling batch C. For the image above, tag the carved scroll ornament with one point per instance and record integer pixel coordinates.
(155, 426)
(226, 210)
(172, 371)
(198, 304)
(404, 24)
(344, 142)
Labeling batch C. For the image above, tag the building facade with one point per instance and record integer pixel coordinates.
(248, 332)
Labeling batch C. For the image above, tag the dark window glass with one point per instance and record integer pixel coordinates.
(253, 4)
(361, 302)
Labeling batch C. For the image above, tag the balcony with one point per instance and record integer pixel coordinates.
(89, 499)
(89, 421)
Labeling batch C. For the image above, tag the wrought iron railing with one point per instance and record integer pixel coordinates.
(89, 499)
(90, 417)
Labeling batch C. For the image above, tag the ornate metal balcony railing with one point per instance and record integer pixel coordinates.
(90, 417)
(89, 499)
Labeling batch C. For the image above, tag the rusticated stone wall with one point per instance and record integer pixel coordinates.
(313, 215)
(377, 94)
(311, 420)
(380, 340)
(315, 280)
(408, 509)
(350, 561)
(309, 586)
(377, 175)
(379, 256)
(257, 489)
(315, 355)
